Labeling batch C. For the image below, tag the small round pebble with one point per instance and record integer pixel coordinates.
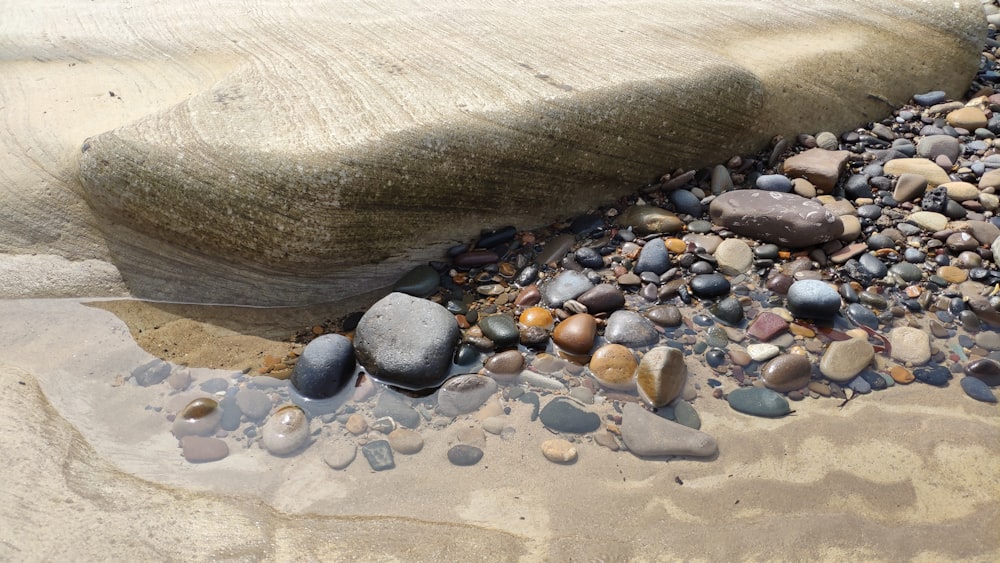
(464, 455)
(558, 450)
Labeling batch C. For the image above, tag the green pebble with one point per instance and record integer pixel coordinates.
(758, 401)
(418, 282)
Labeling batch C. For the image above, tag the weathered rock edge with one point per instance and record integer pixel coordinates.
(287, 184)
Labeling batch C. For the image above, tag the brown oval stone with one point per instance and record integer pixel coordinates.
(985, 369)
(661, 375)
(509, 363)
(951, 274)
(528, 296)
(576, 334)
(614, 365)
(786, 372)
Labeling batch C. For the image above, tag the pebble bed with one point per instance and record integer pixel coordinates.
(825, 268)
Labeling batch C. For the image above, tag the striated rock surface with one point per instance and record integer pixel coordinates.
(278, 155)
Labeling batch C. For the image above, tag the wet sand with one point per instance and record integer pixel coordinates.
(906, 473)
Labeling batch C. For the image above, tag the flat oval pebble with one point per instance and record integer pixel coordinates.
(566, 285)
(787, 372)
(844, 359)
(977, 389)
(707, 286)
(464, 455)
(780, 218)
(501, 329)
(506, 365)
(286, 431)
(199, 449)
(686, 415)
(758, 401)
(566, 415)
(614, 367)
(558, 450)
(464, 394)
(602, 298)
(661, 375)
(576, 334)
(986, 369)
(405, 441)
(646, 219)
(665, 315)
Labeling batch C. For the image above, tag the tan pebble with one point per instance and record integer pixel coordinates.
(471, 435)
(857, 333)
(559, 451)
(914, 291)
(821, 388)
(661, 376)
(799, 330)
(491, 408)
(951, 274)
(510, 362)
(845, 359)
(405, 441)
(356, 424)
(675, 245)
(740, 357)
(317, 330)
(786, 372)
(606, 439)
(614, 365)
(901, 375)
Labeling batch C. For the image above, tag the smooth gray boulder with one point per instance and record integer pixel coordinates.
(291, 155)
(407, 341)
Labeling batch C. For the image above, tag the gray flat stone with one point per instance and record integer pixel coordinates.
(648, 435)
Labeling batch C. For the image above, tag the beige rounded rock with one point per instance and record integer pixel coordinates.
(734, 257)
(844, 359)
(969, 118)
(356, 424)
(661, 376)
(933, 173)
(558, 450)
(405, 441)
(286, 431)
(961, 191)
(910, 345)
(614, 366)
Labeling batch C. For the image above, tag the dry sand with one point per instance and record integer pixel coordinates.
(904, 474)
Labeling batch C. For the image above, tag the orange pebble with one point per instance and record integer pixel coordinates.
(676, 245)
(900, 374)
(537, 316)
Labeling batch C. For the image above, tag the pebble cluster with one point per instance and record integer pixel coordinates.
(824, 267)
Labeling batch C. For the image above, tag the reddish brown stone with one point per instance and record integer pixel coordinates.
(767, 326)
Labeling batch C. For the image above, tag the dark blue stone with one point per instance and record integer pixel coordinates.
(859, 385)
(489, 239)
(707, 286)
(874, 380)
(686, 202)
(879, 241)
(929, 98)
(936, 375)
(326, 364)
(713, 383)
(774, 183)
(856, 187)
(566, 415)
(977, 389)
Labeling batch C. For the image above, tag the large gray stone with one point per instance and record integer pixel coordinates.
(278, 155)
(406, 341)
(646, 434)
(785, 219)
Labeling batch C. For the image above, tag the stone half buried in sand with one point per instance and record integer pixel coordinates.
(289, 174)
(407, 342)
(788, 220)
(648, 435)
